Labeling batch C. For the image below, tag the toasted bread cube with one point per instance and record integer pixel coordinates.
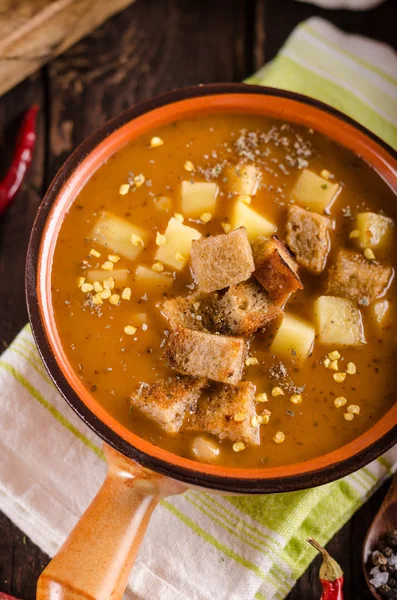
(380, 312)
(374, 229)
(307, 236)
(275, 268)
(243, 179)
(254, 223)
(153, 281)
(294, 338)
(216, 416)
(198, 197)
(338, 321)
(201, 354)
(115, 234)
(178, 242)
(314, 192)
(243, 309)
(167, 401)
(221, 260)
(353, 276)
(190, 311)
(121, 277)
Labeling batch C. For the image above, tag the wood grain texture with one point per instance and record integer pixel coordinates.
(32, 32)
(152, 47)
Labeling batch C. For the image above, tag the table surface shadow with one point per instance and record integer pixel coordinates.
(152, 47)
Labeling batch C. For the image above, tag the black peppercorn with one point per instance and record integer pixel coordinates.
(391, 569)
(391, 582)
(387, 592)
(392, 538)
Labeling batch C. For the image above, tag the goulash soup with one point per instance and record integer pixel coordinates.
(224, 288)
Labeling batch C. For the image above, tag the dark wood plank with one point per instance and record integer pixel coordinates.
(279, 19)
(16, 223)
(149, 49)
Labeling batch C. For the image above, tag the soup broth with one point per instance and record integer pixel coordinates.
(109, 284)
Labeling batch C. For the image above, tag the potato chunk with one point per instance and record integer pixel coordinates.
(115, 234)
(120, 276)
(254, 223)
(198, 197)
(294, 338)
(243, 179)
(178, 242)
(338, 321)
(314, 192)
(152, 280)
(374, 229)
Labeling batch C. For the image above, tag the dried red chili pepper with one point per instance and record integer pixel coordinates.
(21, 159)
(331, 575)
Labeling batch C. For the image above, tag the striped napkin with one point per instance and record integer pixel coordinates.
(199, 546)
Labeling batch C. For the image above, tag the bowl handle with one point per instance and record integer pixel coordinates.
(96, 559)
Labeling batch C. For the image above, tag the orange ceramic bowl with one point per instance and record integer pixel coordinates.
(223, 98)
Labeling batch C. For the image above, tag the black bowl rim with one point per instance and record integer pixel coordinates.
(189, 476)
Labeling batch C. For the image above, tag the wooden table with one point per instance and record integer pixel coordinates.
(150, 48)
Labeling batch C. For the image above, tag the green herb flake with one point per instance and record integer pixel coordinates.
(324, 186)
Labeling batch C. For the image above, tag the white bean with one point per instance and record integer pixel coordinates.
(205, 449)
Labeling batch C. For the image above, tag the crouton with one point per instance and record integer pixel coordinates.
(221, 260)
(193, 312)
(275, 268)
(353, 276)
(167, 401)
(202, 354)
(243, 309)
(217, 415)
(307, 236)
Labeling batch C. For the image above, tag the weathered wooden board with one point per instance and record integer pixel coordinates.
(33, 32)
